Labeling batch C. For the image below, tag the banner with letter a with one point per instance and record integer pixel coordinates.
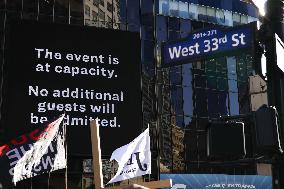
(134, 159)
(40, 151)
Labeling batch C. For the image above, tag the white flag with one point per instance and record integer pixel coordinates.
(134, 159)
(28, 165)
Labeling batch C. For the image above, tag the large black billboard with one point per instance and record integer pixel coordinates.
(85, 72)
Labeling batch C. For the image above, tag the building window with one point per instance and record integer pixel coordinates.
(87, 10)
(220, 17)
(193, 11)
(244, 19)
(96, 3)
(236, 19)
(109, 7)
(202, 15)
(94, 15)
(211, 13)
(232, 85)
(101, 15)
(133, 15)
(173, 8)
(102, 3)
(183, 10)
(228, 18)
(164, 7)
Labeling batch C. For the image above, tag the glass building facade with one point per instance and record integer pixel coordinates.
(178, 102)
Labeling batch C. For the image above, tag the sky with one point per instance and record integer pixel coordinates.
(260, 4)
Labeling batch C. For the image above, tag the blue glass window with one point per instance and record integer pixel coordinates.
(196, 25)
(212, 104)
(221, 66)
(147, 33)
(147, 13)
(252, 19)
(210, 3)
(211, 82)
(227, 4)
(211, 15)
(183, 10)
(228, 18)
(164, 7)
(232, 68)
(222, 84)
(233, 85)
(201, 102)
(185, 25)
(223, 106)
(244, 19)
(133, 16)
(193, 11)
(174, 24)
(252, 11)
(133, 28)
(187, 92)
(236, 19)
(234, 103)
(220, 17)
(200, 81)
(202, 15)
(161, 36)
(148, 51)
(187, 120)
(173, 8)
(161, 23)
(187, 75)
(240, 6)
(210, 66)
(175, 75)
(173, 35)
(176, 100)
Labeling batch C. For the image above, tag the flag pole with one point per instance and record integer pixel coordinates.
(96, 152)
(31, 182)
(97, 165)
(48, 180)
(66, 180)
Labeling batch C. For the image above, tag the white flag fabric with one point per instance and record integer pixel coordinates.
(134, 159)
(30, 163)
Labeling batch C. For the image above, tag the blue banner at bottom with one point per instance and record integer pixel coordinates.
(218, 181)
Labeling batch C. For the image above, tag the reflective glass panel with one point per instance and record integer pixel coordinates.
(202, 15)
(220, 16)
(234, 103)
(228, 18)
(244, 19)
(173, 8)
(193, 11)
(133, 12)
(183, 10)
(236, 19)
(211, 14)
(164, 7)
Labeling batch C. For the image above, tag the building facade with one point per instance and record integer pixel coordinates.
(177, 102)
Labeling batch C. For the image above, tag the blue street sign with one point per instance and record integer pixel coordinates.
(208, 43)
